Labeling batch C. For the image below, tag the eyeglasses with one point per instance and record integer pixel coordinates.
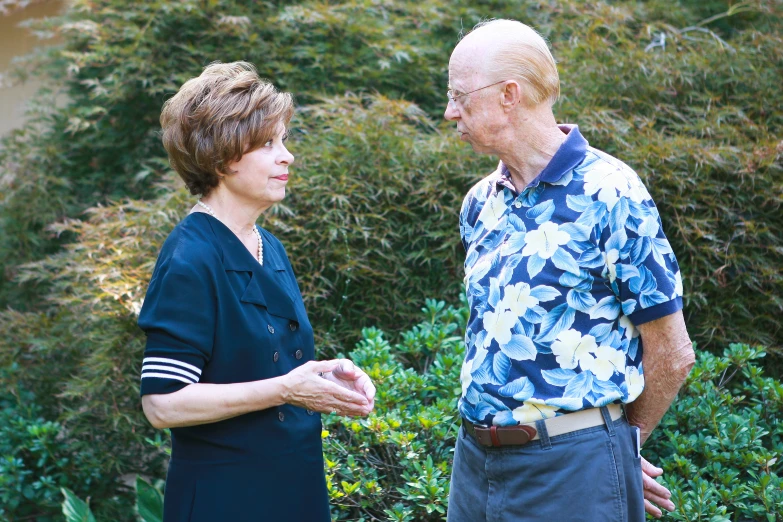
(453, 95)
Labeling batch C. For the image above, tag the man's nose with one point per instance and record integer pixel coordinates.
(451, 112)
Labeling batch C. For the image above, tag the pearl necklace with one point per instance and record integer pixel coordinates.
(211, 212)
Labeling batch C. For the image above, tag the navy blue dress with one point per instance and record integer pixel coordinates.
(213, 314)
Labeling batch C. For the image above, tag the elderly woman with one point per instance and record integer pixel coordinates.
(229, 362)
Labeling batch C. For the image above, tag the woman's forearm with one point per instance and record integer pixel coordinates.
(205, 403)
(303, 387)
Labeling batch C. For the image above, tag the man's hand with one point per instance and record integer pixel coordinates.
(352, 378)
(654, 494)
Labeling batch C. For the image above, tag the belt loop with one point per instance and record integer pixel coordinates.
(608, 420)
(543, 435)
(493, 436)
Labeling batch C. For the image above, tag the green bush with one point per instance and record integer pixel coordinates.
(148, 508)
(122, 59)
(386, 192)
(686, 96)
(396, 464)
(721, 441)
(39, 457)
(686, 93)
(718, 444)
(83, 356)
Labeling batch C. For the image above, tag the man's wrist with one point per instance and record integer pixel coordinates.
(644, 434)
(634, 420)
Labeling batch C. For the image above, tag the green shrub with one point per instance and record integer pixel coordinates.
(721, 441)
(396, 464)
(718, 444)
(84, 355)
(686, 95)
(688, 99)
(39, 457)
(386, 192)
(149, 504)
(121, 59)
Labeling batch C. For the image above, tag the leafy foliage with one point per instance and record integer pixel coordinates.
(718, 445)
(149, 504)
(75, 509)
(396, 464)
(386, 195)
(39, 458)
(149, 501)
(685, 95)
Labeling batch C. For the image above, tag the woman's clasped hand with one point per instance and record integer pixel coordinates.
(336, 386)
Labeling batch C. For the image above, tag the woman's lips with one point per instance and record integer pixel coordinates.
(284, 177)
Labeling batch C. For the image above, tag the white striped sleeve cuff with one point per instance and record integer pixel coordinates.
(163, 368)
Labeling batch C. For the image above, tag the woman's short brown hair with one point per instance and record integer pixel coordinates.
(217, 117)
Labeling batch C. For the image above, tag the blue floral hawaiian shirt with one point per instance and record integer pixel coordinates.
(557, 276)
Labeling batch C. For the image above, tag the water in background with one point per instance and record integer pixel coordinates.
(17, 41)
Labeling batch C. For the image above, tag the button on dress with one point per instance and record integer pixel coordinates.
(213, 314)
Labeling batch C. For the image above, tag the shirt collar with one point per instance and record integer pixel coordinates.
(570, 154)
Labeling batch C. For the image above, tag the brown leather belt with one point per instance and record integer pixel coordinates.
(495, 436)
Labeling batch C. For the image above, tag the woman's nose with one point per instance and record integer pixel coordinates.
(286, 158)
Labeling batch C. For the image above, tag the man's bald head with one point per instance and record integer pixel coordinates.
(500, 50)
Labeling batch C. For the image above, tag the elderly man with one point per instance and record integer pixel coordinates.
(576, 344)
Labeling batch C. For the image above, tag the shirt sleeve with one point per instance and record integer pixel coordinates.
(468, 215)
(646, 276)
(178, 317)
(465, 228)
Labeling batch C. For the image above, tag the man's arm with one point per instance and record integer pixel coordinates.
(666, 361)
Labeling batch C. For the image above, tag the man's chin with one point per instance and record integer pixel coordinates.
(477, 148)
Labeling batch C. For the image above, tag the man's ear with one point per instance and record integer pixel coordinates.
(511, 95)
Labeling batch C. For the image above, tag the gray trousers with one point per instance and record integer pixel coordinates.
(590, 475)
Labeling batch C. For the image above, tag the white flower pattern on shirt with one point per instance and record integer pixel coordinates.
(545, 241)
(572, 349)
(556, 278)
(498, 326)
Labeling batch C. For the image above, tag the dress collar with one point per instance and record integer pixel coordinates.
(265, 287)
